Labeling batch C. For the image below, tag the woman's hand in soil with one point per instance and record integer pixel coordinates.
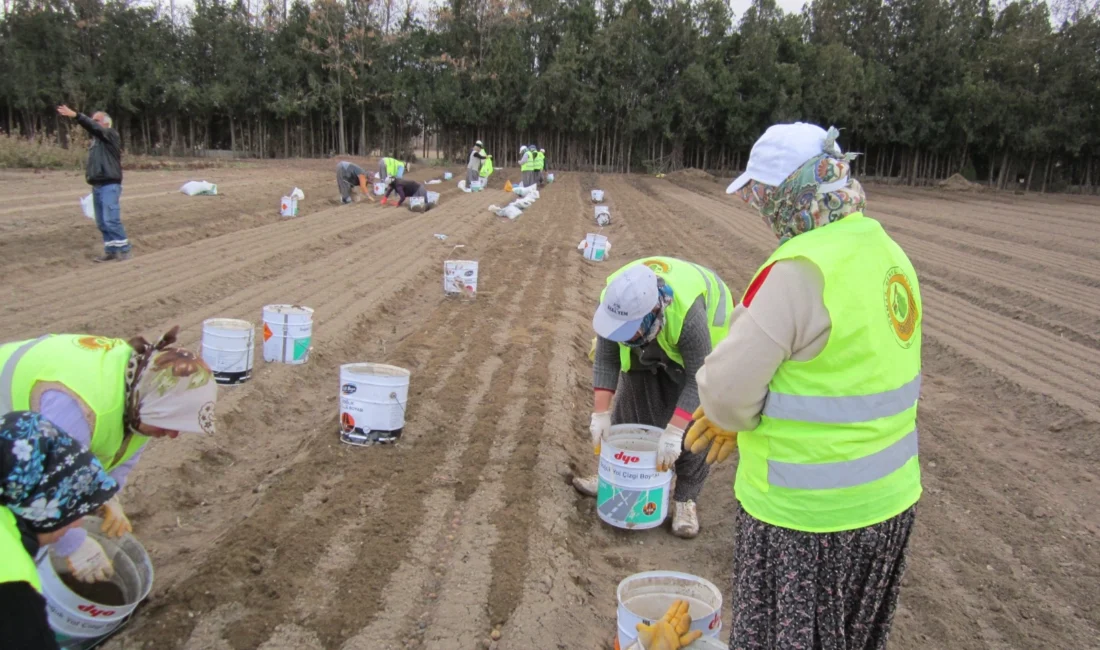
(671, 631)
(704, 433)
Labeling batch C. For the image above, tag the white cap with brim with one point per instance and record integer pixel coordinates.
(625, 304)
(780, 152)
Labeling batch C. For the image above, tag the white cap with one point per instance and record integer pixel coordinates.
(780, 152)
(478, 144)
(626, 302)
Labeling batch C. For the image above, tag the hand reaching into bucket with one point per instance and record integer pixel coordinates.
(671, 631)
(704, 433)
(89, 562)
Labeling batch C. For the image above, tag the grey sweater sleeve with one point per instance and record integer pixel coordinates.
(694, 347)
(605, 370)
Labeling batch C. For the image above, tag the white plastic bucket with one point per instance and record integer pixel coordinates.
(372, 403)
(228, 346)
(597, 196)
(87, 204)
(77, 621)
(433, 198)
(288, 207)
(602, 209)
(645, 597)
(379, 189)
(288, 333)
(460, 278)
(549, 178)
(595, 248)
(632, 494)
(448, 176)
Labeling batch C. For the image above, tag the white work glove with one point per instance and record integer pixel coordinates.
(89, 562)
(600, 428)
(115, 521)
(669, 446)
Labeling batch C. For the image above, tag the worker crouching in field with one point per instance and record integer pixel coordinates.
(348, 176)
(405, 189)
(49, 483)
(657, 321)
(820, 374)
(111, 396)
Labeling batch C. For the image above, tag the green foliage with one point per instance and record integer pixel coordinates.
(924, 88)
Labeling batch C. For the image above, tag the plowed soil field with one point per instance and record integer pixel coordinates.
(273, 534)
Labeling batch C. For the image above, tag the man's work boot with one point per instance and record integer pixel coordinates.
(122, 257)
(586, 485)
(685, 521)
(106, 257)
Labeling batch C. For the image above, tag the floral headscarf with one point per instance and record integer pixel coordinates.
(654, 321)
(169, 387)
(47, 479)
(817, 194)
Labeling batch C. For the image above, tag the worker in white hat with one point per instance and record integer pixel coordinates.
(527, 165)
(473, 165)
(820, 375)
(658, 319)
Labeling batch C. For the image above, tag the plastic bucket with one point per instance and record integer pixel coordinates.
(632, 494)
(645, 597)
(227, 347)
(379, 189)
(602, 209)
(77, 621)
(288, 333)
(448, 176)
(433, 198)
(597, 196)
(460, 278)
(288, 207)
(595, 247)
(549, 178)
(372, 403)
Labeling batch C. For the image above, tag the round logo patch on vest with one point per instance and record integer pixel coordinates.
(657, 266)
(901, 306)
(95, 342)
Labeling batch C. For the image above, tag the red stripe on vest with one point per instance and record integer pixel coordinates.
(757, 282)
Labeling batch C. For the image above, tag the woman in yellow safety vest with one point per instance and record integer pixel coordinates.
(658, 319)
(392, 168)
(112, 396)
(820, 374)
(49, 482)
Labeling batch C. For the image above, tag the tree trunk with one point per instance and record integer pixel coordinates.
(1046, 174)
(1030, 173)
(343, 139)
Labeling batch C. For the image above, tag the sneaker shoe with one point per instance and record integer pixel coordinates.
(685, 521)
(106, 257)
(586, 485)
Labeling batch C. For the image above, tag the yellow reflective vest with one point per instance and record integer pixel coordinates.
(91, 369)
(529, 166)
(486, 167)
(836, 448)
(391, 166)
(688, 281)
(16, 564)
(540, 161)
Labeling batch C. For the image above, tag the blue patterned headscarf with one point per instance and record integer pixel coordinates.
(820, 192)
(47, 479)
(654, 321)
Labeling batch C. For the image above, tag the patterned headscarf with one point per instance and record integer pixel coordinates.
(654, 321)
(817, 194)
(47, 479)
(169, 387)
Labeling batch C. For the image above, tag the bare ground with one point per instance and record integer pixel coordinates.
(272, 534)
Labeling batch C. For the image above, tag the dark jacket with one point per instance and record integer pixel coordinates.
(404, 188)
(104, 156)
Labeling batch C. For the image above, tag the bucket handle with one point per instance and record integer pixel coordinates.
(393, 396)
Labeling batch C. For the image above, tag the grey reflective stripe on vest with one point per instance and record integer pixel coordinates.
(7, 375)
(849, 409)
(720, 315)
(845, 474)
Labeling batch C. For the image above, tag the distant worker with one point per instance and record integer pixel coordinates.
(473, 166)
(348, 176)
(526, 165)
(540, 165)
(103, 172)
(50, 481)
(821, 375)
(392, 168)
(486, 171)
(658, 319)
(111, 396)
(405, 189)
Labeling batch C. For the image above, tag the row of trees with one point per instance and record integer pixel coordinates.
(925, 88)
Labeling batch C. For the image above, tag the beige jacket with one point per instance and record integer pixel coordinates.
(785, 319)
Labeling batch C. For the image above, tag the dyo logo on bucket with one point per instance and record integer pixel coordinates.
(93, 611)
(348, 389)
(626, 458)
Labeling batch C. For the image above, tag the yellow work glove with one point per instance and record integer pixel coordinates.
(671, 632)
(704, 433)
(592, 351)
(115, 522)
